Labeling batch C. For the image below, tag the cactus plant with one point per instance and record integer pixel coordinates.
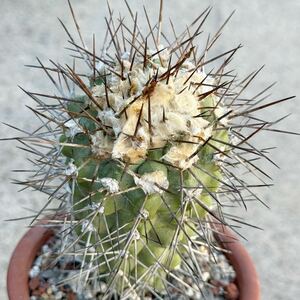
(143, 150)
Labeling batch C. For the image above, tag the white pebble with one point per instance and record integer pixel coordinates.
(35, 271)
(205, 276)
(54, 288)
(45, 249)
(189, 292)
(38, 261)
(59, 295)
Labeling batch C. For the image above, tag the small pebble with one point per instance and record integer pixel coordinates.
(43, 289)
(49, 291)
(59, 295)
(38, 261)
(34, 283)
(44, 296)
(46, 248)
(103, 287)
(34, 272)
(48, 274)
(71, 296)
(205, 276)
(54, 288)
(232, 292)
(35, 293)
(189, 293)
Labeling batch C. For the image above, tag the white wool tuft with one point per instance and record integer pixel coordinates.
(151, 182)
(112, 185)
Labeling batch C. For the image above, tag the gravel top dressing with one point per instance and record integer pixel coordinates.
(61, 281)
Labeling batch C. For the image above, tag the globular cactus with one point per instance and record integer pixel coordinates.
(144, 149)
(146, 172)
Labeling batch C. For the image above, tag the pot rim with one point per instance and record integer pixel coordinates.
(22, 258)
(27, 248)
(247, 279)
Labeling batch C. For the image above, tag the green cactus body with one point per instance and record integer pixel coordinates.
(147, 174)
